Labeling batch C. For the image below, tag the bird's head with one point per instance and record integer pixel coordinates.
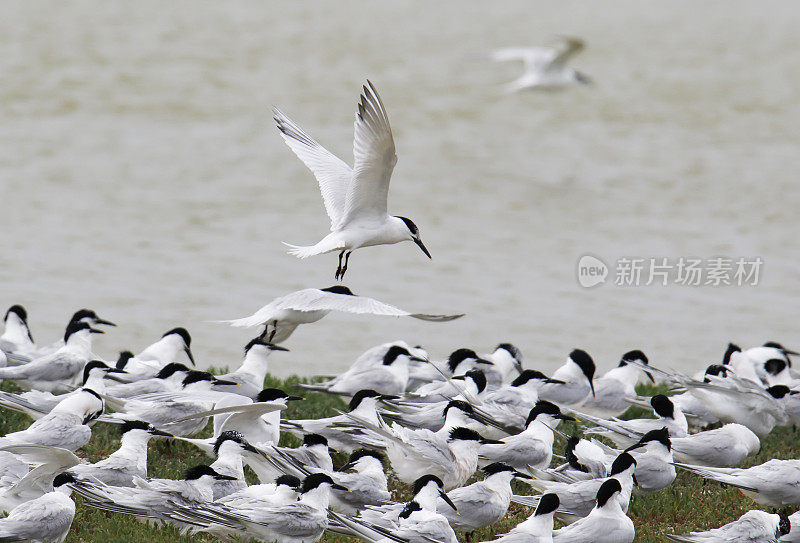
(412, 234)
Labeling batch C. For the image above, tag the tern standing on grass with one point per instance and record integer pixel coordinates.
(355, 198)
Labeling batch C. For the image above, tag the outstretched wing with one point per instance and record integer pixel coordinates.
(534, 58)
(375, 157)
(320, 300)
(332, 174)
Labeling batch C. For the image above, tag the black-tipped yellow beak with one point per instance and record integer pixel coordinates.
(156, 432)
(294, 398)
(340, 487)
(226, 382)
(591, 384)
(96, 331)
(103, 321)
(522, 475)
(422, 246)
(487, 441)
(115, 370)
(189, 355)
(566, 417)
(448, 501)
(219, 477)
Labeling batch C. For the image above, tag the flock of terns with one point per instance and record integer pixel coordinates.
(436, 422)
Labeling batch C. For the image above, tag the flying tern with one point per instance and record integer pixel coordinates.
(355, 198)
(282, 315)
(545, 67)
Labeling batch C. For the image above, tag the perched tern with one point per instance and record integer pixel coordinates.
(572, 383)
(366, 483)
(628, 432)
(157, 355)
(47, 518)
(355, 198)
(606, 523)
(87, 316)
(251, 374)
(538, 528)
(58, 371)
(482, 503)
(752, 526)
(282, 315)
(16, 337)
(612, 389)
(545, 67)
(725, 447)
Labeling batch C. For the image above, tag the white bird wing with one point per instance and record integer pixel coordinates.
(375, 157)
(250, 411)
(534, 58)
(320, 300)
(332, 174)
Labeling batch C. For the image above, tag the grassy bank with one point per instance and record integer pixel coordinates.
(688, 504)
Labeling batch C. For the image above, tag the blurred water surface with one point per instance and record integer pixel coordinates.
(141, 174)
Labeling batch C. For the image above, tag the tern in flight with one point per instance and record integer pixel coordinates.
(355, 198)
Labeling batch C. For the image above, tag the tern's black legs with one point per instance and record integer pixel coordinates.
(266, 334)
(340, 270)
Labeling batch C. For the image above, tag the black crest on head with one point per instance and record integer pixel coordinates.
(778, 391)
(420, 483)
(661, 435)
(547, 504)
(774, 366)
(410, 225)
(19, 311)
(195, 472)
(630, 356)
(410, 508)
(360, 395)
(122, 361)
(663, 406)
(63, 478)
(309, 440)
(464, 434)
(496, 467)
(93, 393)
(90, 366)
(515, 353)
(458, 404)
(584, 361)
(170, 369)
(338, 289)
(715, 369)
(195, 376)
(726, 358)
(621, 463)
(392, 354)
(129, 425)
(314, 480)
(526, 376)
(458, 356)
(362, 453)
(542, 407)
(187, 339)
(607, 489)
(229, 435)
(73, 327)
(271, 394)
(289, 480)
(83, 314)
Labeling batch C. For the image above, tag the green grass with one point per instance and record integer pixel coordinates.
(688, 504)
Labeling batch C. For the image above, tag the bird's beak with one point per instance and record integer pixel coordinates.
(225, 382)
(96, 331)
(447, 500)
(789, 351)
(419, 359)
(422, 246)
(386, 397)
(115, 370)
(188, 352)
(273, 347)
(340, 487)
(103, 321)
(482, 361)
(591, 384)
(347, 466)
(555, 382)
(565, 417)
(294, 398)
(156, 432)
(487, 441)
(650, 376)
(225, 478)
(635, 481)
(522, 475)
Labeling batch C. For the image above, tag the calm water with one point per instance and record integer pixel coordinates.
(141, 174)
